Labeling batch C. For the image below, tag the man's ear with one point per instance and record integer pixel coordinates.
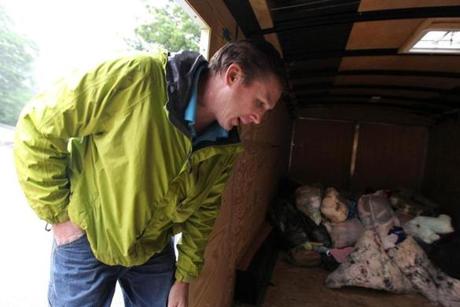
(233, 74)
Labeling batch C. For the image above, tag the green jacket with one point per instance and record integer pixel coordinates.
(110, 151)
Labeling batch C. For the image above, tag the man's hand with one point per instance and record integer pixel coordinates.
(178, 295)
(66, 232)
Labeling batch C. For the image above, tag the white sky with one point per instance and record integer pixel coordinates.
(69, 34)
(75, 33)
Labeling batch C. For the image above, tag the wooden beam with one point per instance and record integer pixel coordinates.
(297, 74)
(349, 18)
(262, 12)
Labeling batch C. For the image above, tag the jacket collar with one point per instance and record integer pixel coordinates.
(180, 70)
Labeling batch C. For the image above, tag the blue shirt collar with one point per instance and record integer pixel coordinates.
(213, 132)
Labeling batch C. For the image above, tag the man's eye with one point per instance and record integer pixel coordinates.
(259, 104)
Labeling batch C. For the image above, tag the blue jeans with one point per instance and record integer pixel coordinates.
(79, 279)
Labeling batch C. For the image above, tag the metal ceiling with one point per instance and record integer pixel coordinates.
(345, 53)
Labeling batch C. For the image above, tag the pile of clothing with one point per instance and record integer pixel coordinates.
(373, 242)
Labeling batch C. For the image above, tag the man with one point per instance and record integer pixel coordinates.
(120, 159)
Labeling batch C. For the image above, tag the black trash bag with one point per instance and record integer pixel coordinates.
(445, 254)
(328, 262)
(295, 228)
(288, 224)
(320, 234)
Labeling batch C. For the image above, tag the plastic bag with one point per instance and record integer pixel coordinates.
(294, 227)
(308, 200)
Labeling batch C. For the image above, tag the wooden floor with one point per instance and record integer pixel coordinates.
(302, 287)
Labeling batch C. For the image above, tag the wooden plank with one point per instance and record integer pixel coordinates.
(250, 188)
(262, 13)
(273, 39)
(373, 5)
(442, 177)
(390, 157)
(322, 152)
(426, 63)
(218, 18)
(381, 34)
(261, 235)
(245, 202)
(442, 83)
(383, 92)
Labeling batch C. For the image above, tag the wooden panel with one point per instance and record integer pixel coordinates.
(365, 114)
(322, 152)
(381, 92)
(389, 156)
(262, 13)
(372, 5)
(442, 83)
(214, 287)
(267, 133)
(262, 234)
(381, 34)
(306, 81)
(217, 275)
(442, 175)
(253, 188)
(314, 64)
(218, 17)
(418, 63)
(273, 39)
(248, 193)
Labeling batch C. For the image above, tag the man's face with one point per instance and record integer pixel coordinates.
(247, 103)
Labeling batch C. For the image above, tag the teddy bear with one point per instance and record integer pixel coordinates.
(427, 228)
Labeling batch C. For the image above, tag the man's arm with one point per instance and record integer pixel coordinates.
(77, 107)
(197, 228)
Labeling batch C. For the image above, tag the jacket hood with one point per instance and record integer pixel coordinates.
(180, 70)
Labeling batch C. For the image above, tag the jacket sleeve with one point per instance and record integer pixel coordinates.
(196, 231)
(77, 107)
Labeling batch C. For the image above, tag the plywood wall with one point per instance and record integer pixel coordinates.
(247, 195)
(387, 155)
(390, 156)
(321, 152)
(250, 189)
(217, 16)
(442, 175)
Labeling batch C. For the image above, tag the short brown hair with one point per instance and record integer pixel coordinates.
(257, 58)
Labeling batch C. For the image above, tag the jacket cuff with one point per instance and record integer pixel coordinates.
(60, 218)
(183, 277)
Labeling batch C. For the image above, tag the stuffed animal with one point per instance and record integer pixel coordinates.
(427, 228)
(334, 206)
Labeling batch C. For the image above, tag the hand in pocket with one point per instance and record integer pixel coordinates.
(67, 232)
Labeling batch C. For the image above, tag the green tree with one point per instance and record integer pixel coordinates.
(171, 28)
(16, 58)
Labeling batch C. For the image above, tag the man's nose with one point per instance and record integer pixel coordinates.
(256, 118)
